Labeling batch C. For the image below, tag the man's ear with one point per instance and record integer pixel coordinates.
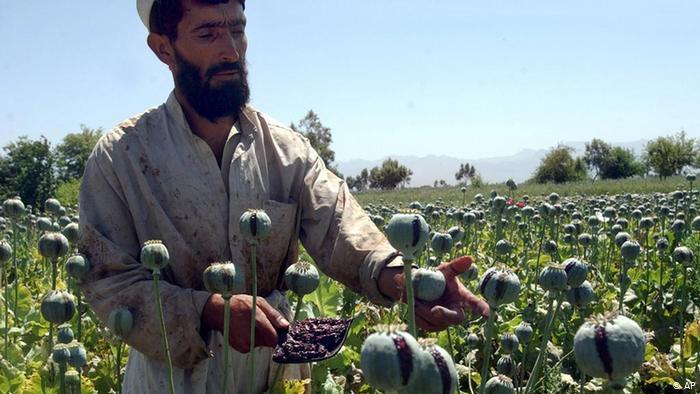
(162, 47)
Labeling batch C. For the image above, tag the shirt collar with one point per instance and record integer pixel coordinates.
(174, 109)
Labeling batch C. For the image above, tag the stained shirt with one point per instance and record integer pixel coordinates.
(152, 178)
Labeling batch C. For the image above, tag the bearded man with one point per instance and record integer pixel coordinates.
(183, 173)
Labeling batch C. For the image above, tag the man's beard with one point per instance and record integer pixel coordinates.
(213, 103)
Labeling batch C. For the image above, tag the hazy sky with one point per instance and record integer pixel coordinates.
(469, 79)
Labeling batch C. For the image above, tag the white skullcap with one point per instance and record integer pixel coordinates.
(144, 9)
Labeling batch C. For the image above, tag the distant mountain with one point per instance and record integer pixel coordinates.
(520, 166)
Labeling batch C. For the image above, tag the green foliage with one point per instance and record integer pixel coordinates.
(465, 173)
(67, 192)
(73, 152)
(597, 152)
(621, 163)
(320, 138)
(390, 175)
(360, 182)
(26, 169)
(668, 155)
(558, 166)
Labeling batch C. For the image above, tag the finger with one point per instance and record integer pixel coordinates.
(438, 321)
(476, 305)
(456, 267)
(273, 315)
(265, 334)
(448, 316)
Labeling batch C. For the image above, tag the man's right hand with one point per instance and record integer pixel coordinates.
(268, 321)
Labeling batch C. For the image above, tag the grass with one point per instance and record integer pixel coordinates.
(453, 194)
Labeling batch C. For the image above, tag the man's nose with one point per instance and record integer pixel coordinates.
(229, 49)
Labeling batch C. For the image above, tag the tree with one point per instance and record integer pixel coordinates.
(620, 163)
(559, 166)
(390, 175)
(73, 152)
(360, 182)
(27, 170)
(320, 138)
(440, 183)
(465, 172)
(597, 152)
(668, 155)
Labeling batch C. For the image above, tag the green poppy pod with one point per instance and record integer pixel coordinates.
(222, 278)
(683, 255)
(52, 206)
(581, 296)
(576, 271)
(509, 343)
(72, 232)
(154, 255)
(469, 219)
(474, 341)
(65, 333)
(528, 211)
(504, 247)
(255, 225)
(72, 379)
(678, 226)
(53, 245)
(499, 203)
(664, 211)
(78, 266)
(60, 353)
(609, 213)
(499, 285)
(13, 207)
(569, 239)
(585, 239)
(44, 224)
(593, 221)
(499, 384)
(415, 205)
(57, 306)
(436, 372)
(378, 220)
(646, 223)
(120, 322)
(610, 347)
(428, 284)
(78, 356)
(677, 195)
(553, 198)
(5, 252)
(549, 246)
(505, 365)
(695, 224)
(470, 274)
(456, 232)
(569, 228)
(690, 177)
(389, 359)
(408, 233)
(630, 250)
(662, 244)
(441, 243)
(63, 221)
(524, 332)
(622, 237)
(301, 278)
(553, 278)
(545, 210)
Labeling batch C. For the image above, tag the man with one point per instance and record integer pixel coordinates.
(183, 173)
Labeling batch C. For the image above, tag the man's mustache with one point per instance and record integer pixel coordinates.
(235, 66)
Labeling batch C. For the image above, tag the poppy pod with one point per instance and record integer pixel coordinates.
(255, 225)
(53, 245)
(389, 359)
(222, 278)
(609, 347)
(154, 255)
(499, 285)
(408, 233)
(301, 278)
(120, 322)
(57, 306)
(428, 284)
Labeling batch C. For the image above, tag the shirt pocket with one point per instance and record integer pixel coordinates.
(271, 252)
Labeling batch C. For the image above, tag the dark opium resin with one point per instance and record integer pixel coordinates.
(311, 340)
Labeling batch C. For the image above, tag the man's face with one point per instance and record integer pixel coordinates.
(210, 69)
